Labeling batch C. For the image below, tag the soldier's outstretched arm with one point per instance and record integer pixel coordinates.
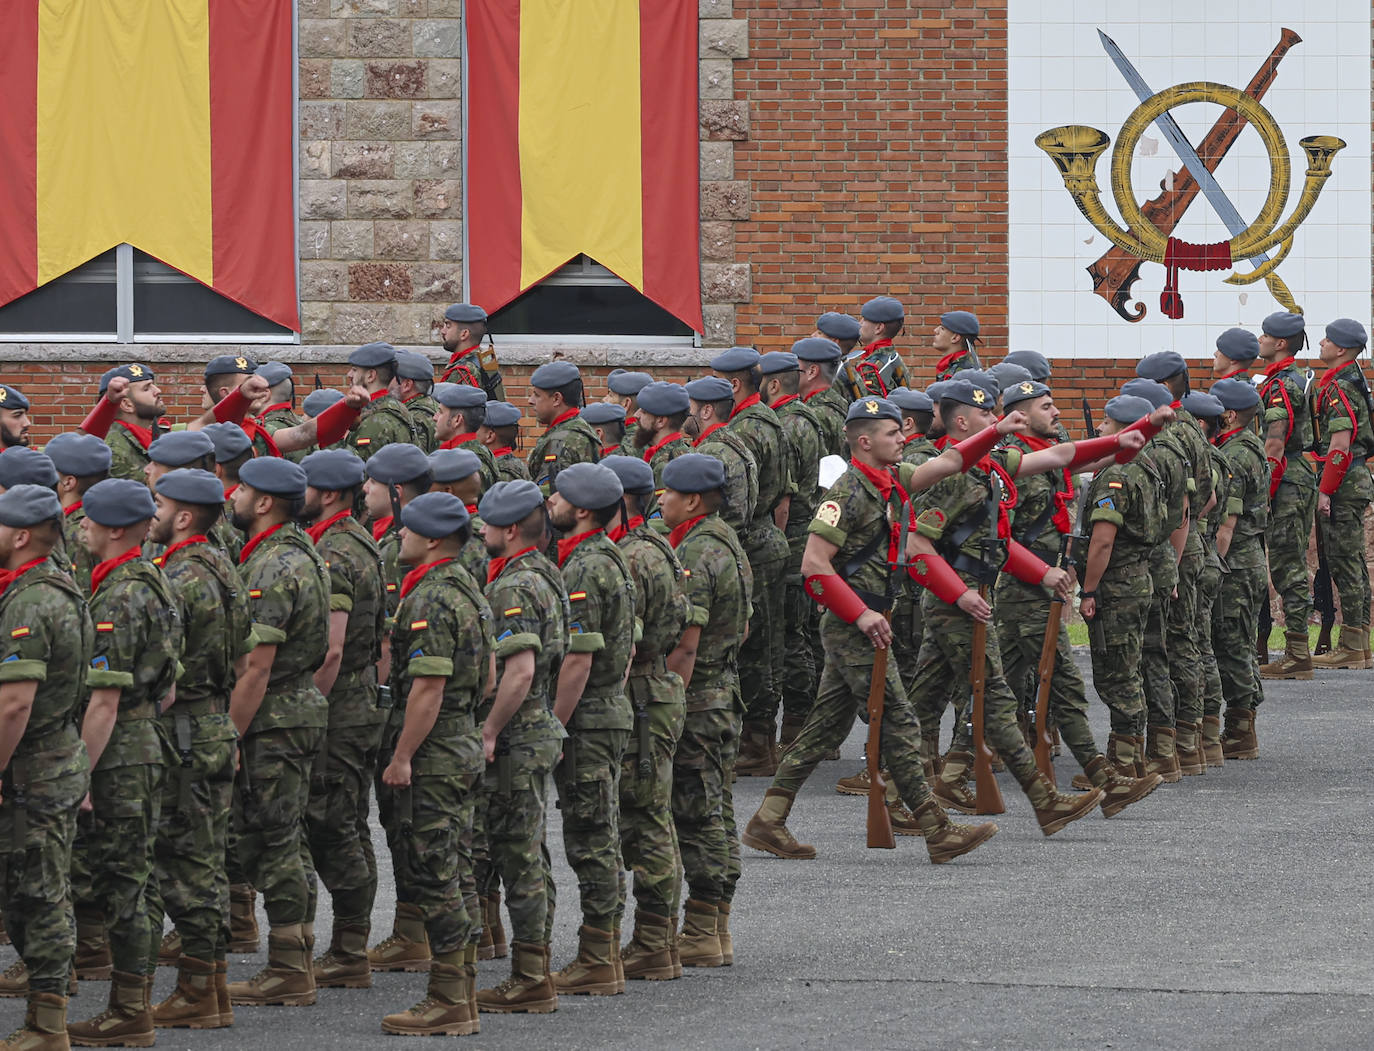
(963, 455)
(327, 428)
(234, 406)
(1090, 453)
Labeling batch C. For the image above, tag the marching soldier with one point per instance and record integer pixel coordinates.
(876, 368)
(125, 416)
(462, 413)
(608, 422)
(556, 398)
(463, 327)
(1237, 348)
(500, 433)
(954, 339)
(385, 420)
(14, 417)
(623, 389)
(400, 475)
(818, 362)
(232, 450)
(415, 386)
(710, 402)
(228, 373)
(81, 460)
(280, 412)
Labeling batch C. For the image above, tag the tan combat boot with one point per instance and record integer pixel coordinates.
(1188, 749)
(194, 1003)
(699, 942)
(408, 947)
(767, 829)
(946, 840)
(4, 934)
(528, 990)
(1120, 757)
(617, 962)
(243, 918)
(854, 785)
(14, 983)
(45, 1025)
(1294, 663)
(727, 943)
(758, 752)
(1352, 651)
(492, 945)
(1053, 809)
(288, 979)
(345, 965)
(951, 787)
(226, 1009)
(446, 1009)
(592, 971)
(649, 954)
(1239, 741)
(169, 952)
(93, 961)
(125, 1022)
(1118, 792)
(1211, 741)
(1161, 755)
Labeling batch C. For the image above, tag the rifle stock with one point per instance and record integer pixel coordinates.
(880, 835)
(989, 796)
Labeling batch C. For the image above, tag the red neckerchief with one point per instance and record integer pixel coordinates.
(949, 359)
(142, 435)
(470, 508)
(609, 450)
(66, 511)
(497, 566)
(782, 401)
(255, 430)
(942, 442)
(404, 401)
(561, 419)
(1242, 371)
(505, 450)
(1062, 497)
(280, 405)
(753, 399)
(912, 438)
(104, 569)
(1278, 367)
(619, 532)
(888, 486)
(319, 528)
(417, 574)
(1177, 403)
(808, 397)
(380, 527)
(1327, 382)
(459, 439)
(679, 532)
(199, 538)
(228, 493)
(707, 433)
(1222, 439)
(251, 546)
(9, 576)
(1008, 501)
(567, 544)
(877, 344)
(652, 450)
(379, 394)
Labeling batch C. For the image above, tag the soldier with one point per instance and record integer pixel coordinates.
(414, 385)
(128, 411)
(138, 644)
(521, 739)
(500, 433)
(402, 473)
(1008, 374)
(710, 402)
(242, 388)
(818, 361)
(280, 412)
(623, 389)
(1240, 544)
(658, 437)
(458, 471)
(462, 330)
(1292, 486)
(442, 665)
(385, 420)
(47, 645)
(232, 450)
(840, 329)
(591, 703)
(648, 838)
(1032, 361)
(462, 412)
(281, 716)
(81, 460)
(556, 397)
(228, 373)
(954, 340)
(608, 422)
(336, 818)
(876, 367)
(14, 417)
(1236, 349)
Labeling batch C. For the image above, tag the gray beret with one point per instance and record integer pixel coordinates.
(274, 476)
(333, 469)
(600, 413)
(230, 365)
(318, 400)
(776, 361)
(910, 400)
(1235, 394)
(134, 372)
(1283, 325)
(12, 397)
(635, 475)
(966, 392)
(117, 502)
(1346, 332)
(1007, 373)
(873, 409)
(78, 453)
(191, 485)
(412, 366)
(1023, 391)
(627, 384)
(449, 465)
(20, 465)
(27, 505)
(465, 312)
(1239, 344)
(736, 359)
(502, 414)
(709, 388)
(1032, 361)
(435, 515)
(1202, 405)
(836, 326)
(1156, 394)
(506, 503)
(229, 439)
(814, 348)
(937, 390)
(459, 396)
(662, 399)
(553, 375)
(694, 473)
(373, 355)
(589, 485)
(275, 372)
(961, 323)
(882, 310)
(1127, 408)
(178, 448)
(396, 463)
(1160, 365)
(981, 378)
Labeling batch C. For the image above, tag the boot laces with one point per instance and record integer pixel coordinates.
(15, 971)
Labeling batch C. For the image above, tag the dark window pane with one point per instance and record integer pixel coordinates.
(585, 310)
(167, 302)
(80, 301)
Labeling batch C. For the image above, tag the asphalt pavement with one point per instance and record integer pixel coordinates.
(1227, 910)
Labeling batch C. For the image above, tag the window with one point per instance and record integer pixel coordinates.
(127, 296)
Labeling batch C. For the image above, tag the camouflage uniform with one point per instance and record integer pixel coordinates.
(1184, 640)
(423, 409)
(128, 450)
(1293, 507)
(658, 456)
(1341, 406)
(79, 560)
(45, 638)
(487, 469)
(568, 440)
(223, 533)
(830, 406)
(741, 491)
(802, 429)
(1169, 459)
(477, 367)
(601, 597)
(384, 421)
(443, 630)
(1243, 584)
(907, 623)
(278, 418)
(509, 467)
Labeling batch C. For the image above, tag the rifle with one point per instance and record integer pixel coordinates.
(880, 835)
(989, 796)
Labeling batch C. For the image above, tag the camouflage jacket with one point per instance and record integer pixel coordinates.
(215, 619)
(801, 427)
(918, 449)
(355, 588)
(1341, 405)
(278, 418)
(128, 451)
(530, 608)
(383, 422)
(1283, 393)
(477, 367)
(78, 560)
(1124, 495)
(1248, 497)
(601, 597)
(1169, 457)
(474, 556)
(830, 406)
(1043, 502)
(389, 550)
(223, 533)
(661, 608)
(719, 585)
(762, 432)
(568, 440)
(1188, 432)
(953, 513)
(422, 409)
(509, 467)
(741, 474)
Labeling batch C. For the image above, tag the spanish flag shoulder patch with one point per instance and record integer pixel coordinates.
(104, 625)
(20, 633)
(254, 593)
(574, 596)
(391, 587)
(514, 611)
(362, 441)
(549, 458)
(418, 625)
(1113, 485)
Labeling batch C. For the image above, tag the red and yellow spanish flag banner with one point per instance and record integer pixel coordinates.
(166, 124)
(582, 138)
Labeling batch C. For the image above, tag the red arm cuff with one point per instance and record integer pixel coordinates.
(938, 577)
(1334, 473)
(232, 408)
(1145, 427)
(332, 424)
(99, 419)
(974, 448)
(831, 591)
(1276, 469)
(1023, 565)
(1090, 450)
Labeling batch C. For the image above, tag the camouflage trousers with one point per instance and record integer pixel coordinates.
(589, 797)
(1181, 637)
(272, 788)
(1115, 637)
(703, 796)
(1238, 601)
(336, 821)
(648, 836)
(798, 683)
(37, 827)
(1343, 536)
(908, 628)
(763, 654)
(191, 884)
(1290, 528)
(1209, 621)
(1154, 660)
(514, 817)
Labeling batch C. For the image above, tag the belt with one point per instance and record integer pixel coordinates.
(201, 706)
(31, 744)
(653, 666)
